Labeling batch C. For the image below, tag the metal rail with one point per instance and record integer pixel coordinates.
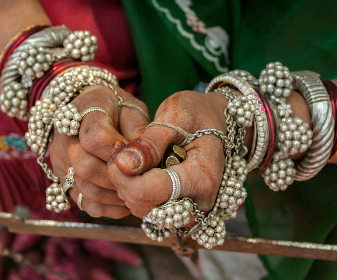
(16, 224)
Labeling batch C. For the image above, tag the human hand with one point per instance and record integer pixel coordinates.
(142, 186)
(89, 151)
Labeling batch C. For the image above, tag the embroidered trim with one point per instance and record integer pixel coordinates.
(14, 146)
(216, 40)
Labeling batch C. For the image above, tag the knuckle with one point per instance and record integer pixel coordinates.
(137, 197)
(85, 170)
(93, 209)
(121, 213)
(88, 192)
(94, 136)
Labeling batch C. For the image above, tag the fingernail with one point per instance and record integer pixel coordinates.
(131, 157)
(119, 145)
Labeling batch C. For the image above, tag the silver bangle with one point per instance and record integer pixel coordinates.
(260, 115)
(11, 82)
(315, 94)
(291, 134)
(33, 57)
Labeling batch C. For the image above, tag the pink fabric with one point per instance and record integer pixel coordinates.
(106, 20)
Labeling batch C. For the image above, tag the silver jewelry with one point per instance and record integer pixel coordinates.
(33, 58)
(56, 193)
(34, 62)
(69, 180)
(291, 134)
(315, 94)
(79, 201)
(14, 97)
(92, 109)
(242, 74)
(41, 123)
(176, 187)
(81, 45)
(259, 113)
(56, 198)
(174, 214)
(276, 79)
(60, 91)
(67, 119)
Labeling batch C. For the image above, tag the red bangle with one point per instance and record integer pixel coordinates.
(270, 117)
(16, 41)
(39, 85)
(332, 90)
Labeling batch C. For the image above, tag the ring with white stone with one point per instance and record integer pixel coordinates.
(176, 186)
(69, 180)
(79, 201)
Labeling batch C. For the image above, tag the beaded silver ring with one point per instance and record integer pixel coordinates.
(92, 109)
(69, 180)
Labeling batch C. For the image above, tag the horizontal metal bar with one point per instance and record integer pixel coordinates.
(15, 224)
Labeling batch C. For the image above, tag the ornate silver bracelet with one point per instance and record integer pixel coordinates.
(256, 109)
(292, 134)
(33, 57)
(315, 94)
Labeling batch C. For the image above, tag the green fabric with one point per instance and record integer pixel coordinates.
(168, 61)
(302, 34)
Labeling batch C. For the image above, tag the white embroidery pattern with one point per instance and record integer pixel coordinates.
(216, 40)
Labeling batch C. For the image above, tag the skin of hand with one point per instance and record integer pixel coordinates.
(89, 151)
(142, 186)
(133, 170)
(16, 15)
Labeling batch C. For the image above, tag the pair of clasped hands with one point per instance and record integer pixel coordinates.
(115, 156)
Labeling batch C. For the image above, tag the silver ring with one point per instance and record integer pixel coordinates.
(69, 180)
(176, 186)
(92, 109)
(79, 201)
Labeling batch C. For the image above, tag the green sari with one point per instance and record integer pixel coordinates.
(183, 44)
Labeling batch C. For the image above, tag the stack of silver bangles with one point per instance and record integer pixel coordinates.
(292, 134)
(33, 57)
(174, 215)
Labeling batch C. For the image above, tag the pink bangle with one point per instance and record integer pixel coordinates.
(35, 92)
(270, 118)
